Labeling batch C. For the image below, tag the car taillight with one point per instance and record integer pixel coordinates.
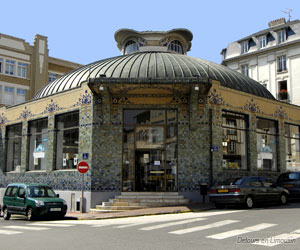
(212, 191)
(235, 190)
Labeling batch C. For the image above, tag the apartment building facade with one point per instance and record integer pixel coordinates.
(271, 57)
(25, 68)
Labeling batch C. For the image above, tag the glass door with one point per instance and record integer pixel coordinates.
(149, 171)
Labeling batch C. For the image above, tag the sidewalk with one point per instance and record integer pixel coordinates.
(194, 207)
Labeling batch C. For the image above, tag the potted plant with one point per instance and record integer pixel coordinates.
(282, 94)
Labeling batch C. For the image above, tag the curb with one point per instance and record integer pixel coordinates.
(139, 215)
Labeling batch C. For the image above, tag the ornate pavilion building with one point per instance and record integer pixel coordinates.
(151, 120)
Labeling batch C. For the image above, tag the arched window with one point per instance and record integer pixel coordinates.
(176, 46)
(130, 47)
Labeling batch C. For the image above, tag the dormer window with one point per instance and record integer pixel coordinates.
(131, 46)
(262, 41)
(244, 47)
(281, 35)
(176, 46)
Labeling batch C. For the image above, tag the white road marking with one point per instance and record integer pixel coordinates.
(204, 227)
(50, 224)
(245, 230)
(287, 238)
(171, 224)
(137, 221)
(9, 232)
(104, 225)
(27, 228)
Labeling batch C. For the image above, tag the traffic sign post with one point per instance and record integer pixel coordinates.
(82, 167)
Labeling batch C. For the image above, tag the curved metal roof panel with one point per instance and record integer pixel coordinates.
(155, 65)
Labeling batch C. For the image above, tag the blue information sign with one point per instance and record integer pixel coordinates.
(214, 148)
(85, 156)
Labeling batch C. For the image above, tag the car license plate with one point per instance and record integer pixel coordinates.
(222, 190)
(55, 209)
(288, 185)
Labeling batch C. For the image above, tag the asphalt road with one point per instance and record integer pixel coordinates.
(272, 227)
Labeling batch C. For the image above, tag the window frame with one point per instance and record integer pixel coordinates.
(57, 130)
(7, 141)
(131, 46)
(234, 132)
(288, 151)
(22, 69)
(1, 65)
(276, 135)
(262, 41)
(52, 76)
(281, 36)
(245, 69)
(36, 135)
(10, 67)
(281, 63)
(176, 46)
(244, 47)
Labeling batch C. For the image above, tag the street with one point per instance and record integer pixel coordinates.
(277, 227)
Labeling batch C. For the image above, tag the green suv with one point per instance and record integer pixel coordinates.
(32, 200)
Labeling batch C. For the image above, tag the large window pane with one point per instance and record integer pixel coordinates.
(13, 147)
(38, 140)
(266, 145)
(234, 141)
(292, 144)
(128, 172)
(149, 137)
(67, 139)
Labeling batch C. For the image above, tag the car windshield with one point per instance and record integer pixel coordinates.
(232, 181)
(39, 191)
(289, 177)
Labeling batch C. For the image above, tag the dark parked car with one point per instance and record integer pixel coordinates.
(291, 182)
(32, 200)
(247, 191)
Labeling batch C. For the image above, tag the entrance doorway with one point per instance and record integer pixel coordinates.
(149, 151)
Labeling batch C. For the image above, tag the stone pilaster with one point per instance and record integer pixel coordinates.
(281, 147)
(51, 144)
(252, 145)
(24, 147)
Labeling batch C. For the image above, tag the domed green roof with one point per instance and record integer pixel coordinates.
(155, 65)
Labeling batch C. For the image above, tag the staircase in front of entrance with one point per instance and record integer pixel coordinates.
(137, 200)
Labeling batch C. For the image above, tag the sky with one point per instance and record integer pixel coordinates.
(82, 31)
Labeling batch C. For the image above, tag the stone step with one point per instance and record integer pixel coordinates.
(120, 203)
(145, 200)
(137, 200)
(100, 207)
(149, 197)
(96, 210)
(149, 193)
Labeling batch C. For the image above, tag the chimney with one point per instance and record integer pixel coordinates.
(277, 22)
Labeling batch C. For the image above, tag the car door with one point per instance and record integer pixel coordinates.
(20, 201)
(10, 198)
(255, 188)
(272, 192)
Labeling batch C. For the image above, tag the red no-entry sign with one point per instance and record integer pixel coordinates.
(83, 167)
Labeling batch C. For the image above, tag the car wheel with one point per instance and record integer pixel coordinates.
(249, 202)
(283, 199)
(6, 214)
(62, 216)
(219, 206)
(30, 214)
